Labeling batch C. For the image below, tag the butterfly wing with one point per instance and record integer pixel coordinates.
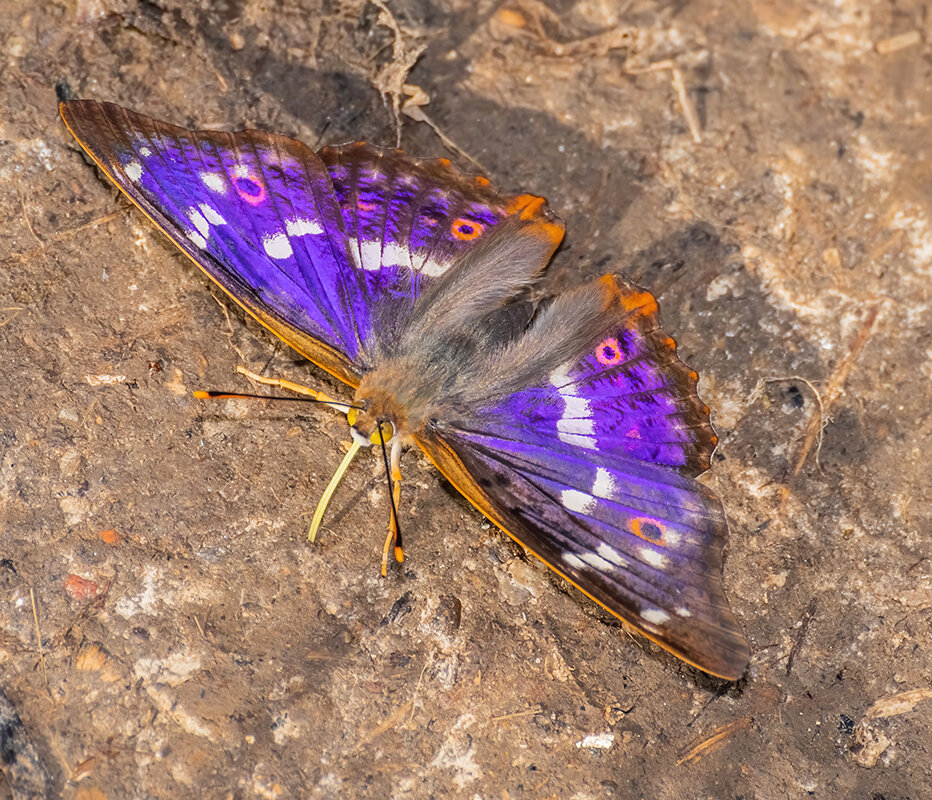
(321, 248)
(255, 211)
(406, 215)
(590, 469)
(409, 220)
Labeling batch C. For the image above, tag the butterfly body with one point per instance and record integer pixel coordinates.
(569, 422)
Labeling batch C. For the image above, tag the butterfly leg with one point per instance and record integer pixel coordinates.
(297, 388)
(394, 532)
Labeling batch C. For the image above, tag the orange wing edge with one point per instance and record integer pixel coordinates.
(323, 355)
(450, 466)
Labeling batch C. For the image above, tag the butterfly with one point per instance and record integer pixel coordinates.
(569, 422)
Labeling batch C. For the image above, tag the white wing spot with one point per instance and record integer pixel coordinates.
(560, 376)
(211, 214)
(588, 442)
(604, 485)
(354, 252)
(683, 612)
(240, 171)
(576, 425)
(655, 616)
(371, 255)
(145, 152)
(432, 268)
(576, 406)
(214, 181)
(198, 240)
(299, 226)
(597, 562)
(580, 502)
(574, 560)
(611, 554)
(579, 427)
(394, 255)
(133, 171)
(199, 221)
(277, 246)
(653, 558)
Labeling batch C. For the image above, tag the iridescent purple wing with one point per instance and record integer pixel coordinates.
(590, 469)
(418, 216)
(255, 211)
(629, 395)
(311, 245)
(408, 220)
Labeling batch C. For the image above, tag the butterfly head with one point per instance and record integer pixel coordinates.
(369, 430)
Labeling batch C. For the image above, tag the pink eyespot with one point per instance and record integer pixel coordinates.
(609, 353)
(250, 189)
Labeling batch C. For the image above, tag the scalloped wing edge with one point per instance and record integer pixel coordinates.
(451, 467)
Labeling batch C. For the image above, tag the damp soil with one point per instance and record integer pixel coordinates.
(165, 629)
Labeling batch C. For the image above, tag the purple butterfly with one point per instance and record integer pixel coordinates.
(570, 424)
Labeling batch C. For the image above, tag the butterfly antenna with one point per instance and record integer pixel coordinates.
(393, 473)
(331, 488)
(201, 394)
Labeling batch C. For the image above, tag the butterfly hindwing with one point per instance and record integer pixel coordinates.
(627, 394)
(597, 482)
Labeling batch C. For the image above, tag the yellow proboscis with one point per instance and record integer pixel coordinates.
(331, 488)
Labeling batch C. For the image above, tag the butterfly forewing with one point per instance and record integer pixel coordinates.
(409, 220)
(312, 245)
(255, 211)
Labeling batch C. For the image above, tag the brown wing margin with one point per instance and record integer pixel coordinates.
(96, 126)
(729, 663)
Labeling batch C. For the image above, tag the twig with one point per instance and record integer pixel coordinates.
(715, 740)
(530, 712)
(230, 331)
(823, 420)
(16, 312)
(413, 107)
(679, 86)
(35, 617)
(63, 235)
(392, 77)
(803, 629)
(836, 385)
(386, 724)
(35, 236)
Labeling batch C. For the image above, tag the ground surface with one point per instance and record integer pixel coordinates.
(165, 630)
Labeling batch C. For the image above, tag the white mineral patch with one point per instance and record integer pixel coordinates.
(143, 601)
(597, 741)
(174, 669)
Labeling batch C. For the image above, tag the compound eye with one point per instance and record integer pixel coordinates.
(387, 431)
(352, 416)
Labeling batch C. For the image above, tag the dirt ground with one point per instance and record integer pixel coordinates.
(165, 629)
